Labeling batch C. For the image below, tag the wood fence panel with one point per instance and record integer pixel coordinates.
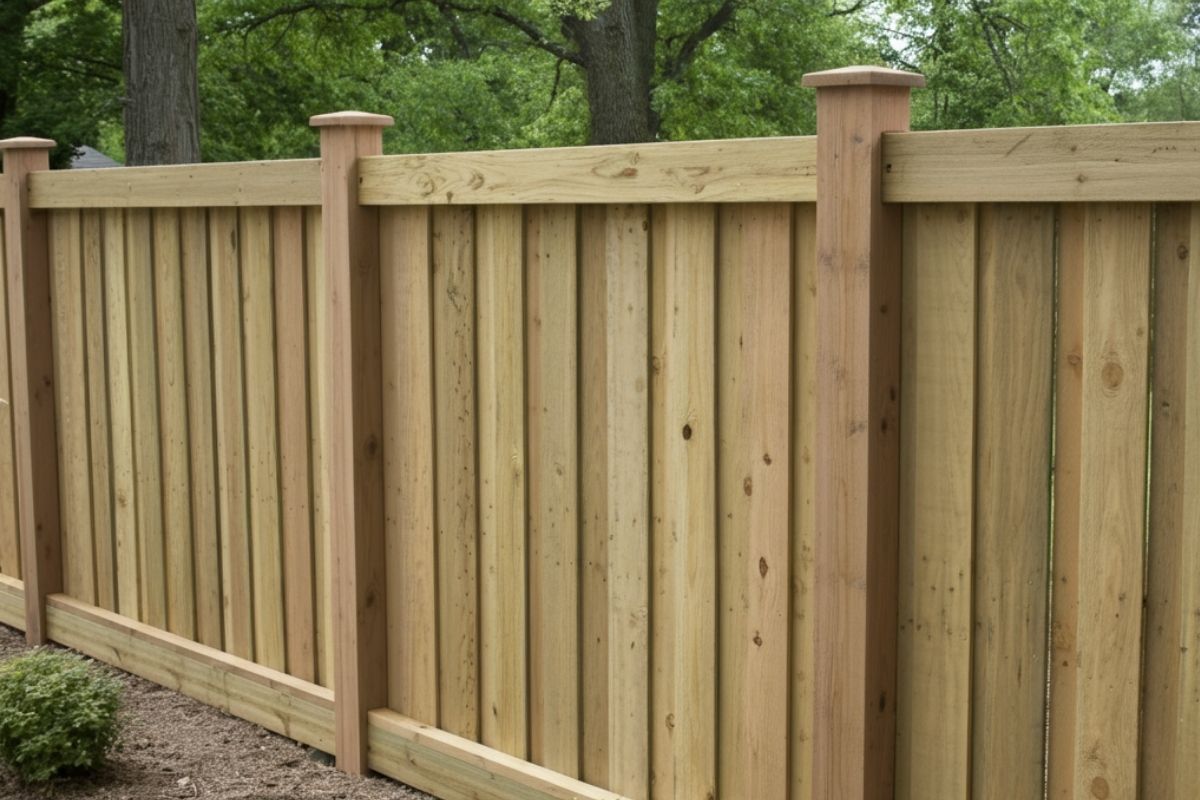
(552, 403)
(314, 265)
(10, 541)
(1104, 331)
(1171, 684)
(1012, 505)
(66, 294)
(99, 433)
(410, 493)
(937, 402)
(753, 388)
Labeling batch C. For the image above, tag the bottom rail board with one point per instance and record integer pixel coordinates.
(12, 602)
(454, 768)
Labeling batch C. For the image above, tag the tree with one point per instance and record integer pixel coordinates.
(162, 104)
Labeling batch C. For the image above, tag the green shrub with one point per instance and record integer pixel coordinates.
(58, 715)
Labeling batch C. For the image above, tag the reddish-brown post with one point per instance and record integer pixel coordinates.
(858, 437)
(354, 415)
(30, 338)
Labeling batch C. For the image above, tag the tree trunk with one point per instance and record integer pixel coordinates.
(162, 105)
(618, 54)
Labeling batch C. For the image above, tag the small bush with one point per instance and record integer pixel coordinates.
(58, 715)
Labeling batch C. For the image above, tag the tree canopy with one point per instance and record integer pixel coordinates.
(481, 74)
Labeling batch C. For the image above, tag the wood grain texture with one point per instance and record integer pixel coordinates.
(10, 538)
(99, 441)
(681, 172)
(753, 391)
(1015, 329)
(12, 602)
(295, 495)
(70, 366)
(409, 463)
(230, 424)
(246, 183)
(552, 403)
(172, 401)
(202, 452)
(1104, 319)
(937, 490)
(503, 480)
(684, 730)
(1078, 163)
(1171, 684)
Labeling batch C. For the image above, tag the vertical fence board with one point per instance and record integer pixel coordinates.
(684, 739)
(99, 431)
(410, 493)
(116, 302)
(937, 403)
(225, 273)
(803, 525)
(314, 264)
(1105, 258)
(593, 494)
(455, 423)
(10, 543)
(193, 232)
(753, 400)
(552, 379)
(74, 475)
(291, 339)
(627, 329)
(258, 323)
(502, 479)
(1169, 769)
(172, 398)
(1012, 511)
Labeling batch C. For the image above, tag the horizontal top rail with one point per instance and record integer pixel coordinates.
(248, 183)
(732, 170)
(1144, 162)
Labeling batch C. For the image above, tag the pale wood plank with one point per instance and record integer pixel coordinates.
(147, 457)
(266, 551)
(684, 733)
(230, 428)
(753, 386)
(680, 172)
(662, 675)
(804, 483)
(1105, 258)
(245, 183)
(937, 404)
(202, 449)
(593, 493)
(291, 313)
(1078, 163)
(1171, 684)
(12, 602)
(504, 635)
(409, 463)
(552, 404)
(172, 399)
(96, 339)
(10, 540)
(1012, 504)
(70, 367)
(124, 487)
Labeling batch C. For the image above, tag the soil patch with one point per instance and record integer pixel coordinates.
(175, 747)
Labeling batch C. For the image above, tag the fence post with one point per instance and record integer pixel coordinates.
(30, 347)
(354, 415)
(858, 436)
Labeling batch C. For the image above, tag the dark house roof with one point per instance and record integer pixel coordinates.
(90, 158)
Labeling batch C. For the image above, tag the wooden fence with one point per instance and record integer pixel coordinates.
(849, 466)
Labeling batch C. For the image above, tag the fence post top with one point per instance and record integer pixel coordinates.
(351, 118)
(27, 143)
(863, 76)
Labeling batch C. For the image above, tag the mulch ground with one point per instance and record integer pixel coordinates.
(175, 747)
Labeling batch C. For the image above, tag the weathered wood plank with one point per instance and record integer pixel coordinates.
(96, 338)
(409, 463)
(503, 599)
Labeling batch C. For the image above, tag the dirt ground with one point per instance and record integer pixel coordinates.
(174, 747)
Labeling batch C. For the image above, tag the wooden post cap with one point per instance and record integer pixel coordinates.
(863, 76)
(27, 143)
(351, 118)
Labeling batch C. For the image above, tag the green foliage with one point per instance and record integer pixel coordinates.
(58, 715)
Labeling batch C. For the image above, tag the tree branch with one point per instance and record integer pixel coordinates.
(531, 31)
(677, 64)
(850, 9)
